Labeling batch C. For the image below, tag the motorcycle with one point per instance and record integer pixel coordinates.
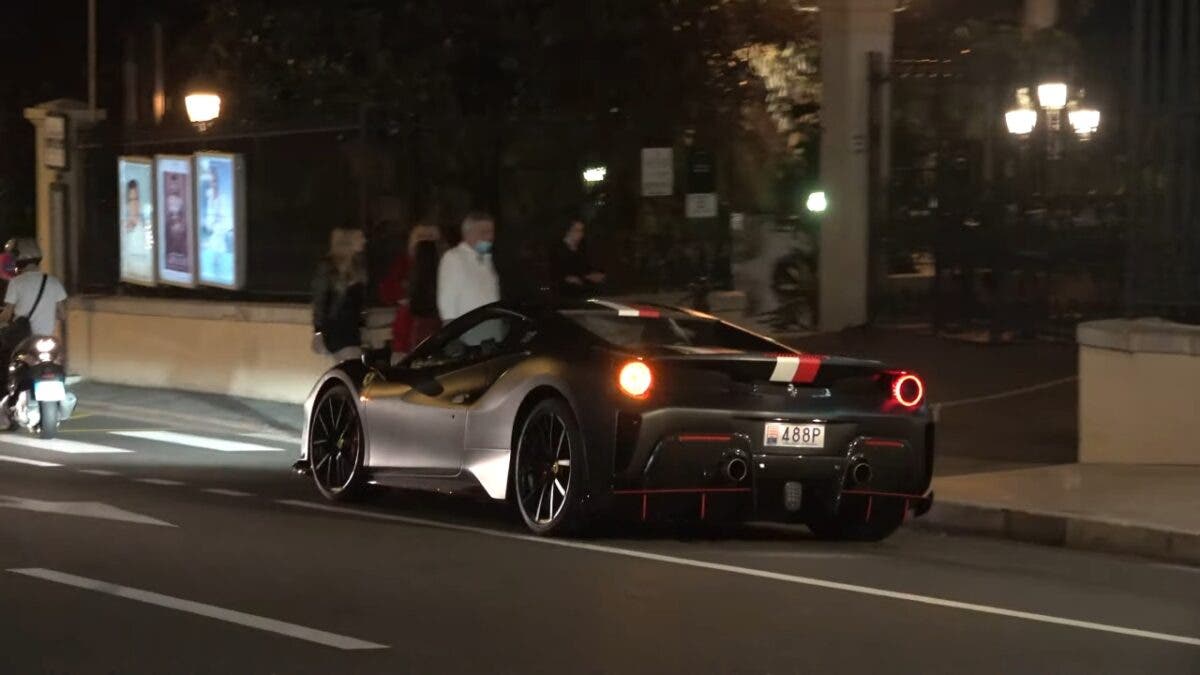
(37, 399)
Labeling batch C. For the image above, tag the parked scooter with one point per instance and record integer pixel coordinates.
(37, 399)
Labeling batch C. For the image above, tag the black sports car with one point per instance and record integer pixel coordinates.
(571, 409)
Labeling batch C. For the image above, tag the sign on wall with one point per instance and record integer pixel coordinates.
(658, 172)
(220, 214)
(176, 228)
(135, 185)
(54, 142)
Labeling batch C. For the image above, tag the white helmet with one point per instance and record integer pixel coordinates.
(24, 250)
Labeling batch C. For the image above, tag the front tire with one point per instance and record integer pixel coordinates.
(547, 469)
(336, 446)
(48, 427)
(860, 519)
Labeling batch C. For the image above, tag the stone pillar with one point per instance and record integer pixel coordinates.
(60, 188)
(850, 31)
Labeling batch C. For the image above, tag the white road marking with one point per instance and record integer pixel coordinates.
(1007, 394)
(64, 446)
(194, 441)
(80, 509)
(159, 481)
(30, 462)
(99, 472)
(764, 574)
(210, 611)
(227, 493)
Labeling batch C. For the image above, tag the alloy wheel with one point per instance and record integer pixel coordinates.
(335, 442)
(543, 476)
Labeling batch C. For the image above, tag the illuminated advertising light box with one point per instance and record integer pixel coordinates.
(220, 217)
(176, 225)
(135, 185)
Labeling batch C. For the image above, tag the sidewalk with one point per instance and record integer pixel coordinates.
(1148, 510)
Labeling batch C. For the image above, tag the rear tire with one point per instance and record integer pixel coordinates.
(548, 489)
(48, 427)
(851, 522)
(336, 446)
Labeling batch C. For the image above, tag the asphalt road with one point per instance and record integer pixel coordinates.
(173, 558)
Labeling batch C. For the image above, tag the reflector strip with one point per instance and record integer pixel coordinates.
(704, 438)
(798, 369)
(880, 442)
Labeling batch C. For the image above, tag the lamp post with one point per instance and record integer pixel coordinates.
(203, 108)
(1047, 102)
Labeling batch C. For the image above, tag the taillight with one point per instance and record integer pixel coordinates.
(635, 379)
(908, 390)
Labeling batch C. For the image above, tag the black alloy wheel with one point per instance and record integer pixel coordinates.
(546, 469)
(335, 446)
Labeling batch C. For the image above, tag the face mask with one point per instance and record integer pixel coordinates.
(483, 247)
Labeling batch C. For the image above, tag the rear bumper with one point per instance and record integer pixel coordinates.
(678, 452)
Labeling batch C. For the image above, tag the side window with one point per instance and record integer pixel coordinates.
(493, 334)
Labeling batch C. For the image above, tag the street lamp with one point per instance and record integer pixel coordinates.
(1020, 121)
(594, 174)
(1052, 95)
(816, 202)
(1085, 122)
(203, 108)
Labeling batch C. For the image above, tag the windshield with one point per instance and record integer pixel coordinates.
(680, 334)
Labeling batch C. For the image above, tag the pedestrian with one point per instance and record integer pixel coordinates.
(410, 286)
(466, 276)
(339, 296)
(573, 272)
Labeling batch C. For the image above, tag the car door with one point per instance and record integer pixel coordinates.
(417, 414)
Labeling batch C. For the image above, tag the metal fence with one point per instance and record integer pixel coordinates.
(1164, 252)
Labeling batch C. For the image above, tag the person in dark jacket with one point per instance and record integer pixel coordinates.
(574, 275)
(339, 297)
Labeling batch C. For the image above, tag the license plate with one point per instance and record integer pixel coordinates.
(784, 435)
(49, 390)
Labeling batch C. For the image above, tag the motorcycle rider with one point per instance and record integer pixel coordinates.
(21, 299)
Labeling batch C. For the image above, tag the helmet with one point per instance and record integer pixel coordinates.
(24, 250)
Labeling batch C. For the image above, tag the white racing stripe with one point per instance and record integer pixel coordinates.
(194, 441)
(210, 611)
(773, 576)
(785, 368)
(64, 446)
(30, 462)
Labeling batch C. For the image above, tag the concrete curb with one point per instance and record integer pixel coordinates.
(1067, 530)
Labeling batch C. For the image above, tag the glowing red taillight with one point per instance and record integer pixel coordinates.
(908, 390)
(635, 379)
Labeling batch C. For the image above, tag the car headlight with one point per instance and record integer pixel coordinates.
(46, 345)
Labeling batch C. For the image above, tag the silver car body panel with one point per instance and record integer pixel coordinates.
(470, 443)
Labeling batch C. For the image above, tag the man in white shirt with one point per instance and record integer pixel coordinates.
(467, 278)
(23, 290)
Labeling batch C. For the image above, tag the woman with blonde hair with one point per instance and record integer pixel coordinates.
(339, 296)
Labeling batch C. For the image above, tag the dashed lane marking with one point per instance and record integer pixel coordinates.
(30, 462)
(764, 574)
(99, 472)
(227, 493)
(64, 446)
(159, 481)
(194, 441)
(209, 611)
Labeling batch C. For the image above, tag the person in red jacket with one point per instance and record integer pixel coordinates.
(409, 286)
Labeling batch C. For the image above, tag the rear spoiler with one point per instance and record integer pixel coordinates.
(810, 369)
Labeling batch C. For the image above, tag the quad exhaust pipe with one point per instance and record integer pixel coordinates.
(860, 473)
(735, 467)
